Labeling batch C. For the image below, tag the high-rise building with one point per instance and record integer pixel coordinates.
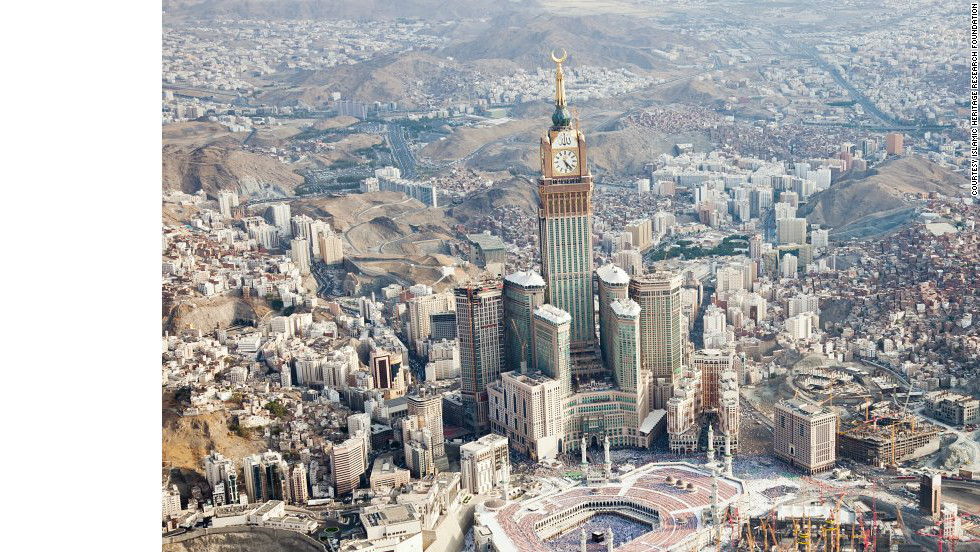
(659, 297)
(565, 221)
(442, 325)
(819, 237)
(791, 230)
(552, 345)
(299, 252)
(893, 143)
(788, 265)
(385, 363)
(331, 248)
(298, 485)
(479, 329)
(624, 339)
(803, 303)
(347, 464)
(227, 201)
(755, 247)
(630, 260)
(420, 310)
(529, 410)
(360, 422)
(805, 435)
(264, 476)
(417, 442)
(428, 407)
(930, 494)
(613, 284)
(278, 215)
(642, 233)
(485, 464)
(171, 500)
(217, 470)
(523, 293)
(715, 333)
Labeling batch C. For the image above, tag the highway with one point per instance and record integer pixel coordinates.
(400, 151)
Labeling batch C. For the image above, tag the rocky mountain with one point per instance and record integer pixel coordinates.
(873, 203)
(516, 192)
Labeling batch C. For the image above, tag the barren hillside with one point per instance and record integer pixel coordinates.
(223, 165)
(186, 441)
(206, 314)
(858, 200)
(516, 192)
(597, 40)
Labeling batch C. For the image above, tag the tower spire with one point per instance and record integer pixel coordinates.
(560, 100)
(561, 118)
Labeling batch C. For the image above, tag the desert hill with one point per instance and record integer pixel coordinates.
(386, 78)
(223, 165)
(186, 441)
(206, 314)
(875, 200)
(176, 10)
(515, 192)
(597, 40)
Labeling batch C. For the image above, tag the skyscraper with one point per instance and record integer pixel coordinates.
(420, 310)
(565, 220)
(298, 485)
(347, 464)
(552, 333)
(299, 252)
(613, 284)
(523, 292)
(659, 297)
(279, 216)
(624, 337)
(479, 329)
(428, 407)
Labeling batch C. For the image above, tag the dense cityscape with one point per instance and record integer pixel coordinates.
(728, 304)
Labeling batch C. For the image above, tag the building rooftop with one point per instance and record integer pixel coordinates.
(487, 242)
(553, 314)
(388, 515)
(625, 307)
(526, 279)
(612, 274)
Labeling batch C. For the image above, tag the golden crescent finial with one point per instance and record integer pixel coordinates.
(564, 56)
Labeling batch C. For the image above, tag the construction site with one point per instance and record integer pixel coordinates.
(888, 437)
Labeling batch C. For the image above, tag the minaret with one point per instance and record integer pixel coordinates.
(609, 539)
(715, 510)
(607, 461)
(505, 487)
(711, 444)
(582, 539)
(585, 461)
(728, 455)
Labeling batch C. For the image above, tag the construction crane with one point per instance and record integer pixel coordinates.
(523, 346)
(749, 538)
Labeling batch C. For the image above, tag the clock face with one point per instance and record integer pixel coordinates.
(564, 139)
(565, 161)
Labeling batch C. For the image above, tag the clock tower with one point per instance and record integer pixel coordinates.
(565, 219)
